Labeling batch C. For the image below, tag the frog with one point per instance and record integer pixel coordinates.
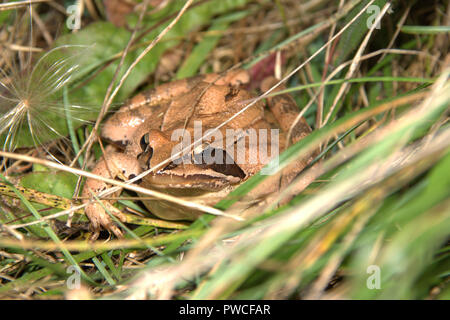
(143, 132)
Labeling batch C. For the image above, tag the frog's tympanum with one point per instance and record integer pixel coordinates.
(152, 124)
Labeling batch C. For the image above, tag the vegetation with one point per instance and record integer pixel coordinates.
(372, 78)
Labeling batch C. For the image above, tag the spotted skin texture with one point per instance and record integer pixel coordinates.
(146, 125)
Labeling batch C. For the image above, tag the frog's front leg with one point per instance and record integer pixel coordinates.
(113, 164)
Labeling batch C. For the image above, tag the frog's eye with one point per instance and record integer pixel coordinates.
(147, 152)
(145, 143)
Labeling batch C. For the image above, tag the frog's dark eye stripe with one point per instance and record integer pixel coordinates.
(144, 159)
(132, 176)
(229, 170)
(198, 152)
(170, 166)
(224, 165)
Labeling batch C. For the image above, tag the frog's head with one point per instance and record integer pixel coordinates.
(206, 168)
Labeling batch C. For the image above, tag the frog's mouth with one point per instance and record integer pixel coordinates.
(202, 181)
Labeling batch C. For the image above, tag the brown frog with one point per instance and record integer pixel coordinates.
(156, 125)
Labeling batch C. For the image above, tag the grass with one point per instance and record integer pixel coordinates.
(373, 223)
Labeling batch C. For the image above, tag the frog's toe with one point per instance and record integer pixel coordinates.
(101, 219)
(111, 227)
(94, 236)
(94, 227)
(117, 213)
